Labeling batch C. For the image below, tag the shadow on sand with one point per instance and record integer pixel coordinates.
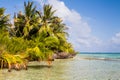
(39, 66)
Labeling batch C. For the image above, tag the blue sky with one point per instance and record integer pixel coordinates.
(103, 15)
(94, 25)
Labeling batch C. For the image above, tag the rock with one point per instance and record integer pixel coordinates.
(54, 56)
(63, 55)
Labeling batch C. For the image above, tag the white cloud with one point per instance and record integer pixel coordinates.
(71, 17)
(42, 2)
(116, 39)
(79, 29)
(89, 41)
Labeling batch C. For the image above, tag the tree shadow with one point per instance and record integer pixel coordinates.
(39, 66)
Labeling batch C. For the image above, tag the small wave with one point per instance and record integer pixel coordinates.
(91, 58)
(107, 59)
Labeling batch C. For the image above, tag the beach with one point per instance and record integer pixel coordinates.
(77, 68)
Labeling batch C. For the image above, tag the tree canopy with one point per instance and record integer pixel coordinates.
(33, 35)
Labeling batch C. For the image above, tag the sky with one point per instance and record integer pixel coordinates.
(94, 25)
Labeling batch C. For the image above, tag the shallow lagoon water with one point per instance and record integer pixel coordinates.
(67, 69)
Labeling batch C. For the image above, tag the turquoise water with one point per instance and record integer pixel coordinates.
(102, 66)
(76, 68)
(101, 55)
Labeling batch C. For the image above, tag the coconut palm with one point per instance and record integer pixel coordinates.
(30, 26)
(48, 13)
(53, 25)
(4, 19)
(47, 31)
(27, 23)
(35, 36)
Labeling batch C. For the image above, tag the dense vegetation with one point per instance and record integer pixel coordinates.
(34, 35)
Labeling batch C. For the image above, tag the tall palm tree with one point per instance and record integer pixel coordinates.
(27, 23)
(46, 30)
(31, 25)
(48, 13)
(4, 19)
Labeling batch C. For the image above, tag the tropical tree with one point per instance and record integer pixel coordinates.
(35, 35)
(27, 23)
(4, 19)
(4, 22)
(31, 26)
(6, 58)
(48, 32)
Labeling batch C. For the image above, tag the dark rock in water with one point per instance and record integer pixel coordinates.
(55, 56)
(70, 56)
(63, 55)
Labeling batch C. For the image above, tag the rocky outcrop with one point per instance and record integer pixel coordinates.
(63, 55)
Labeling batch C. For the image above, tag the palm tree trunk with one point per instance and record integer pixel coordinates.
(1, 64)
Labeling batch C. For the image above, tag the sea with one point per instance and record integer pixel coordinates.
(84, 66)
(100, 55)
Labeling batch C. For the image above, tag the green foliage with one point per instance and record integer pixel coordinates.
(7, 60)
(34, 53)
(35, 35)
(27, 23)
(17, 45)
(3, 19)
(48, 13)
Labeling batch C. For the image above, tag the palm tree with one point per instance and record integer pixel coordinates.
(48, 13)
(35, 36)
(4, 20)
(31, 26)
(47, 31)
(27, 24)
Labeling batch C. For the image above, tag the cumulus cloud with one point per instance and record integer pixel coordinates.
(71, 17)
(79, 29)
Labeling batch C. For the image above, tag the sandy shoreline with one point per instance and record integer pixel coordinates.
(76, 68)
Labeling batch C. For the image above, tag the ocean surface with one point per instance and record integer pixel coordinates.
(104, 56)
(84, 66)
